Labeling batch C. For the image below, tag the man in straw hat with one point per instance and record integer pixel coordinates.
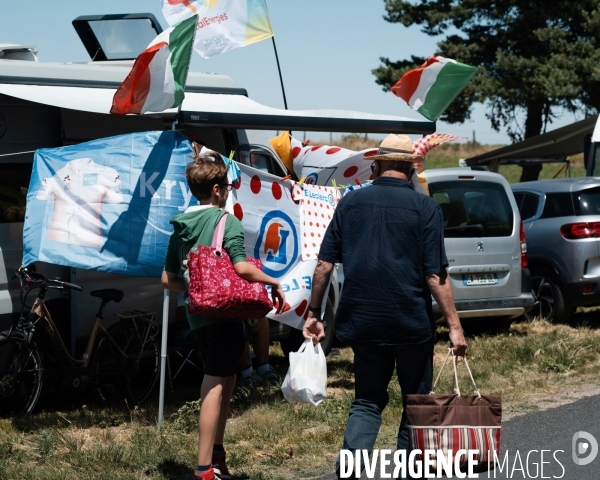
(390, 240)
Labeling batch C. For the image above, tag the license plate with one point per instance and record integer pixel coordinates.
(481, 279)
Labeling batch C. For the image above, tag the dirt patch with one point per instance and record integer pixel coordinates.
(553, 400)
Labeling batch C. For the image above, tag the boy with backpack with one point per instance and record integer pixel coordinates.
(221, 341)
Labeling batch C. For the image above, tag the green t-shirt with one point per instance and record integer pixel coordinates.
(198, 227)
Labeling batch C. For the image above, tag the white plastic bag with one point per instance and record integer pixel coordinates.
(306, 379)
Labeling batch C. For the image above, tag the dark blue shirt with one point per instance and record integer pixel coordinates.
(389, 238)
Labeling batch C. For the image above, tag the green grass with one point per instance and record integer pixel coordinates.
(267, 437)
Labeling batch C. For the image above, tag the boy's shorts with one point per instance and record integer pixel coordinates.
(221, 347)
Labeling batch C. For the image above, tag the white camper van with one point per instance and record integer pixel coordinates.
(46, 105)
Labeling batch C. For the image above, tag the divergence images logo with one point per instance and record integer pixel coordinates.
(585, 448)
(277, 243)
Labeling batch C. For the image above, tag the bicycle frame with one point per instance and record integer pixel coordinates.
(39, 308)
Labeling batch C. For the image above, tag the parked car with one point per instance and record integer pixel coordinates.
(485, 243)
(561, 219)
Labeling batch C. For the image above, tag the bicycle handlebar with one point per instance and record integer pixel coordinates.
(24, 272)
(70, 285)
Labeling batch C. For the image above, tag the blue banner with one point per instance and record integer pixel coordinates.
(106, 204)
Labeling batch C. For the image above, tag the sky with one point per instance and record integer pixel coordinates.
(326, 49)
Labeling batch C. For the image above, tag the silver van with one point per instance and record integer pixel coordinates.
(485, 243)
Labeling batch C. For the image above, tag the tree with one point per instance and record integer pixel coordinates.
(536, 57)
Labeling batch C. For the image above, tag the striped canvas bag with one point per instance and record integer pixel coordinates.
(453, 422)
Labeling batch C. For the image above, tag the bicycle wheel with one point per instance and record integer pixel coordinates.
(126, 363)
(21, 375)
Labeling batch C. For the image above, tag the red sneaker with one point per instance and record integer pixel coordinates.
(220, 466)
(208, 475)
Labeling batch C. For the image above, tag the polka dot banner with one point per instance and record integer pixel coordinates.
(269, 209)
(317, 204)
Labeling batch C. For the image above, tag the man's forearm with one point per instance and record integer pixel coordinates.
(319, 283)
(442, 293)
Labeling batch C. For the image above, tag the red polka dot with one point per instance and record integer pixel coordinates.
(276, 191)
(308, 202)
(315, 148)
(370, 154)
(350, 171)
(327, 207)
(319, 235)
(301, 308)
(317, 224)
(321, 205)
(296, 151)
(255, 184)
(329, 217)
(312, 234)
(285, 308)
(305, 234)
(314, 244)
(323, 215)
(332, 150)
(305, 245)
(238, 212)
(309, 214)
(238, 184)
(310, 224)
(307, 254)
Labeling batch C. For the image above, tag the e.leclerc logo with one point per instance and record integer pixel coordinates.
(320, 197)
(277, 243)
(312, 178)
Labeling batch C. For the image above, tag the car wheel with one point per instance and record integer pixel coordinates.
(296, 339)
(550, 304)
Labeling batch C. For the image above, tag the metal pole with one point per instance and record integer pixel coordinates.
(163, 357)
(279, 70)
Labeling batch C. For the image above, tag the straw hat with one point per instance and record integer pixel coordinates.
(398, 148)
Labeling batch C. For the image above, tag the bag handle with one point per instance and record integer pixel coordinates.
(217, 242)
(455, 379)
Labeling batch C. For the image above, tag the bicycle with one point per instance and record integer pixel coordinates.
(123, 366)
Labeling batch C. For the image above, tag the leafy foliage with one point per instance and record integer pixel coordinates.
(535, 56)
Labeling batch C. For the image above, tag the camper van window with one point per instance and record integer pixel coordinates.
(14, 183)
(265, 163)
(123, 39)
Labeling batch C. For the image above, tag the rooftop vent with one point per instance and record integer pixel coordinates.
(14, 51)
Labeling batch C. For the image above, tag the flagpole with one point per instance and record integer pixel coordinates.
(279, 70)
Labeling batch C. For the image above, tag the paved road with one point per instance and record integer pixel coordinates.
(551, 430)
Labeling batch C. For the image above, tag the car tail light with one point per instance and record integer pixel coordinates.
(575, 231)
(588, 288)
(523, 245)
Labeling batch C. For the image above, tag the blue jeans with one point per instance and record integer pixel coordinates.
(373, 369)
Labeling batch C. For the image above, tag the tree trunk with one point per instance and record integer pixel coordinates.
(533, 127)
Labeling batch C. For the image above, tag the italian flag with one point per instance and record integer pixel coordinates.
(157, 80)
(430, 88)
